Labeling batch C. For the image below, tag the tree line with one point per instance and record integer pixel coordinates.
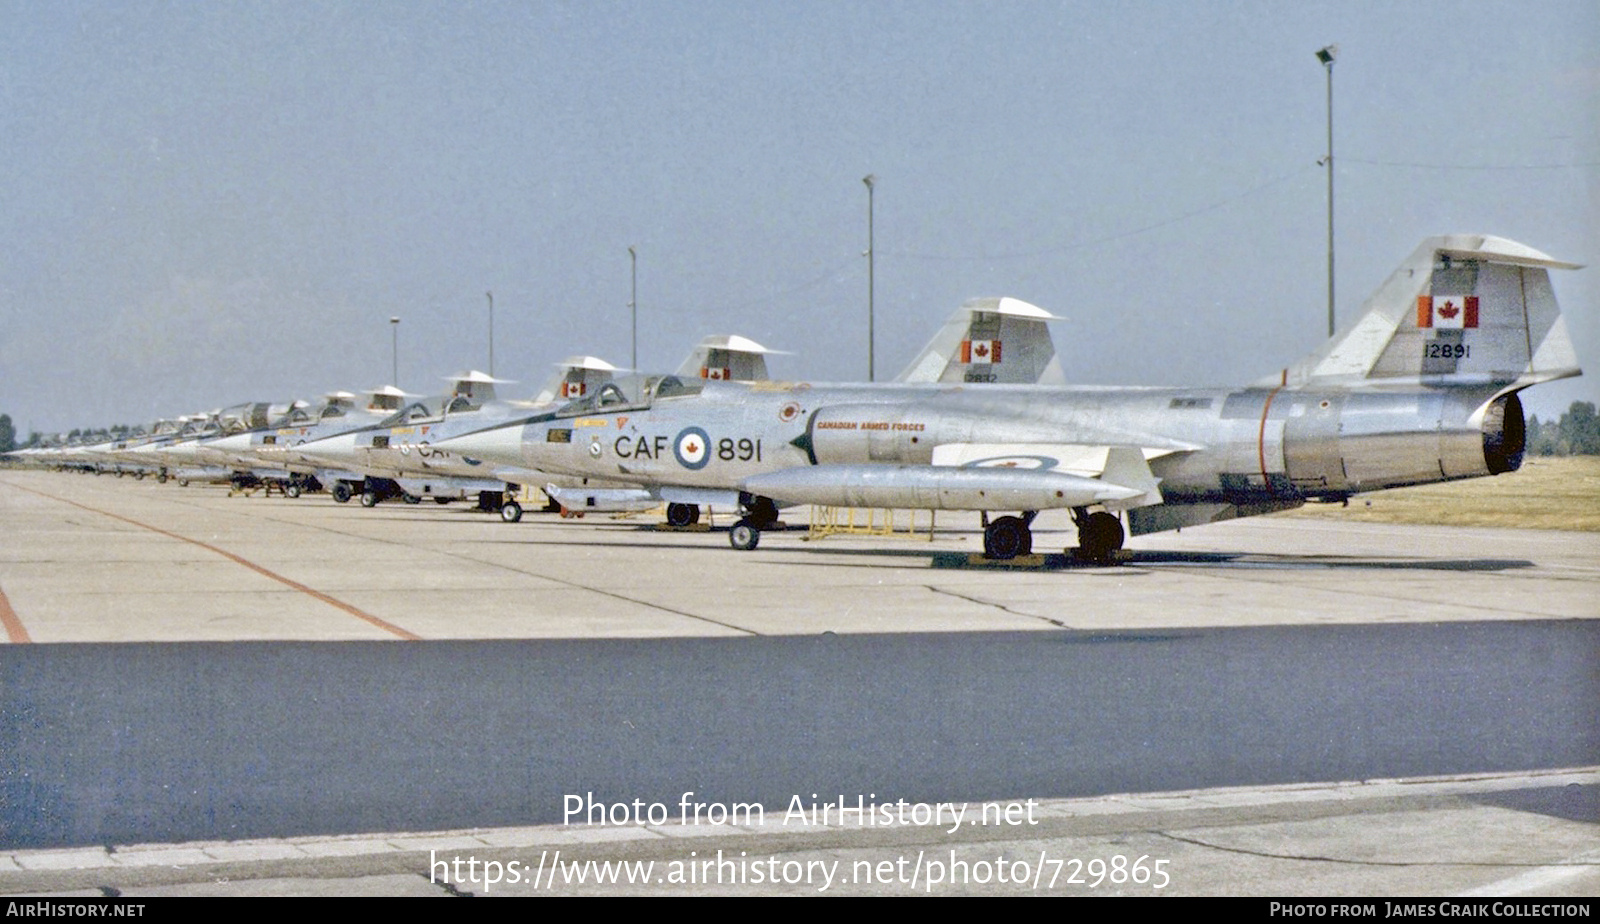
(1577, 433)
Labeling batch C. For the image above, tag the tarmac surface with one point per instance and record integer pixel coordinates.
(1272, 706)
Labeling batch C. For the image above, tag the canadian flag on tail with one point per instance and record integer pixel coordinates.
(1448, 311)
(719, 374)
(980, 351)
(572, 389)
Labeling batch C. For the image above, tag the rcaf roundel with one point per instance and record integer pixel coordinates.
(692, 448)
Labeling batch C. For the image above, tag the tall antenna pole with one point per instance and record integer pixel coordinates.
(491, 333)
(1326, 56)
(394, 327)
(633, 304)
(869, 179)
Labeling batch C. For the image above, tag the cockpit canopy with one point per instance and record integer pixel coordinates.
(632, 392)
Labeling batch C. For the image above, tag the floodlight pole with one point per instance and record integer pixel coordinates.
(1326, 56)
(394, 328)
(491, 333)
(869, 179)
(633, 304)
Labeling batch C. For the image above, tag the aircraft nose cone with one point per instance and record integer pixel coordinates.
(500, 445)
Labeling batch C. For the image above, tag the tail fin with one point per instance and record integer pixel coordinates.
(578, 376)
(1463, 308)
(1003, 340)
(730, 357)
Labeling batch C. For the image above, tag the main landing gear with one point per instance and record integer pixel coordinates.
(759, 513)
(1007, 537)
(1100, 535)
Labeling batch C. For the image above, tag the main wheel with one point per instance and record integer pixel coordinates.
(681, 515)
(341, 492)
(412, 498)
(441, 500)
(369, 498)
(744, 536)
(1006, 538)
(291, 490)
(511, 511)
(1100, 536)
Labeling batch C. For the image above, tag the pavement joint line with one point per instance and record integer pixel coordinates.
(199, 853)
(999, 606)
(358, 613)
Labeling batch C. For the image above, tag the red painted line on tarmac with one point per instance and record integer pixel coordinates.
(385, 625)
(16, 633)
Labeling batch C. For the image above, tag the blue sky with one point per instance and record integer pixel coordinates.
(212, 203)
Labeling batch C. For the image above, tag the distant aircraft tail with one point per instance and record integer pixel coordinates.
(1462, 309)
(577, 377)
(727, 358)
(1001, 340)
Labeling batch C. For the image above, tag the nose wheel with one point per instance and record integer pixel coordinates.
(744, 536)
(760, 513)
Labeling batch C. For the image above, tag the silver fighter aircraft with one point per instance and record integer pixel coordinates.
(1421, 387)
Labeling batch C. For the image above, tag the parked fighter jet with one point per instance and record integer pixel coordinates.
(1422, 387)
(271, 453)
(1002, 340)
(396, 458)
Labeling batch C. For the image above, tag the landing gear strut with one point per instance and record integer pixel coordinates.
(759, 513)
(1099, 535)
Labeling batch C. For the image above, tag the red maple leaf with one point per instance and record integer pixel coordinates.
(981, 350)
(691, 448)
(1448, 310)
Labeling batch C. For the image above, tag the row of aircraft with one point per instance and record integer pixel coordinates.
(1421, 387)
(381, 444)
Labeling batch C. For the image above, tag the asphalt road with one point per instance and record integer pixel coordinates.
(174, 742)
